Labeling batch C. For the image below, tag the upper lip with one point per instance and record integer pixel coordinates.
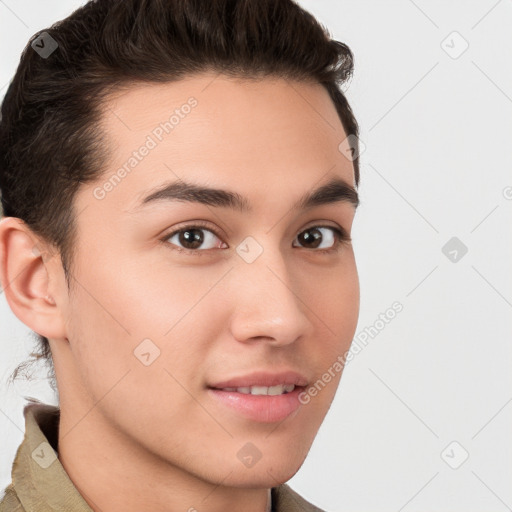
(262, 378)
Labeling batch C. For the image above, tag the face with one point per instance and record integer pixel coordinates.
(187, 305)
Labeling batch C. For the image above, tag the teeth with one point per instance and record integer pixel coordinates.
(261, 390)
(264, 390)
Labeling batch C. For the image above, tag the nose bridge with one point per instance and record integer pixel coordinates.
(267, 302)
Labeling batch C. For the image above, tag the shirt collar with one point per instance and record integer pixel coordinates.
(38, 477)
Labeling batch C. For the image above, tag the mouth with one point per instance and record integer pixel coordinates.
(260, 397)
(280, 389)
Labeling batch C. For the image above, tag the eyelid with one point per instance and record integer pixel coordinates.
(193, 224)
(321, 224)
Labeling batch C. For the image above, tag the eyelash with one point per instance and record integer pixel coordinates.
(341, 235)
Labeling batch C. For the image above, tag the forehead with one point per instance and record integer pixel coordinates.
(253, 135)
(138, 105)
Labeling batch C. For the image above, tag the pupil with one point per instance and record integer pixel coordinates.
(307, 237)
(193, 237)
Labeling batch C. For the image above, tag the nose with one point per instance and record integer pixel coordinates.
(269, 305)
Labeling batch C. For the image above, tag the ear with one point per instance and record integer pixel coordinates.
(29, 276)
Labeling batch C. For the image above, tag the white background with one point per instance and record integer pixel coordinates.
(437, 164)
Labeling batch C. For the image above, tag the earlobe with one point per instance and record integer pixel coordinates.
(26, 277)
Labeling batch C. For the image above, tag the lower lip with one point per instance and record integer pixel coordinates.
(262, 408)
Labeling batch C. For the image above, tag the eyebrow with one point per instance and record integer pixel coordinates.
(335, 191)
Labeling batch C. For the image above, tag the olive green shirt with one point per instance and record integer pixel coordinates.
(41, 484)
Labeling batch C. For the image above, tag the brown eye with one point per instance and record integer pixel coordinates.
(321, 237)
(194, 238)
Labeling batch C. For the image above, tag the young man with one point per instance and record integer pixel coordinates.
(179, 184)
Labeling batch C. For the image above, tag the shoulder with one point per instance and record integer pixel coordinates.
(285, 499)
(9, 502)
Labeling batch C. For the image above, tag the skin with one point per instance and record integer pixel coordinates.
(155, 438)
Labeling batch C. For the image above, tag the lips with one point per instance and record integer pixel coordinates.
(262, 379)
(261, 396)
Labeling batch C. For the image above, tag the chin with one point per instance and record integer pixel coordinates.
(265, 474)
(259, 479)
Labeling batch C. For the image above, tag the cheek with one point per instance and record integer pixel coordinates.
(126, 364)
(334, 297)
(138, 297)
(127, 307)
